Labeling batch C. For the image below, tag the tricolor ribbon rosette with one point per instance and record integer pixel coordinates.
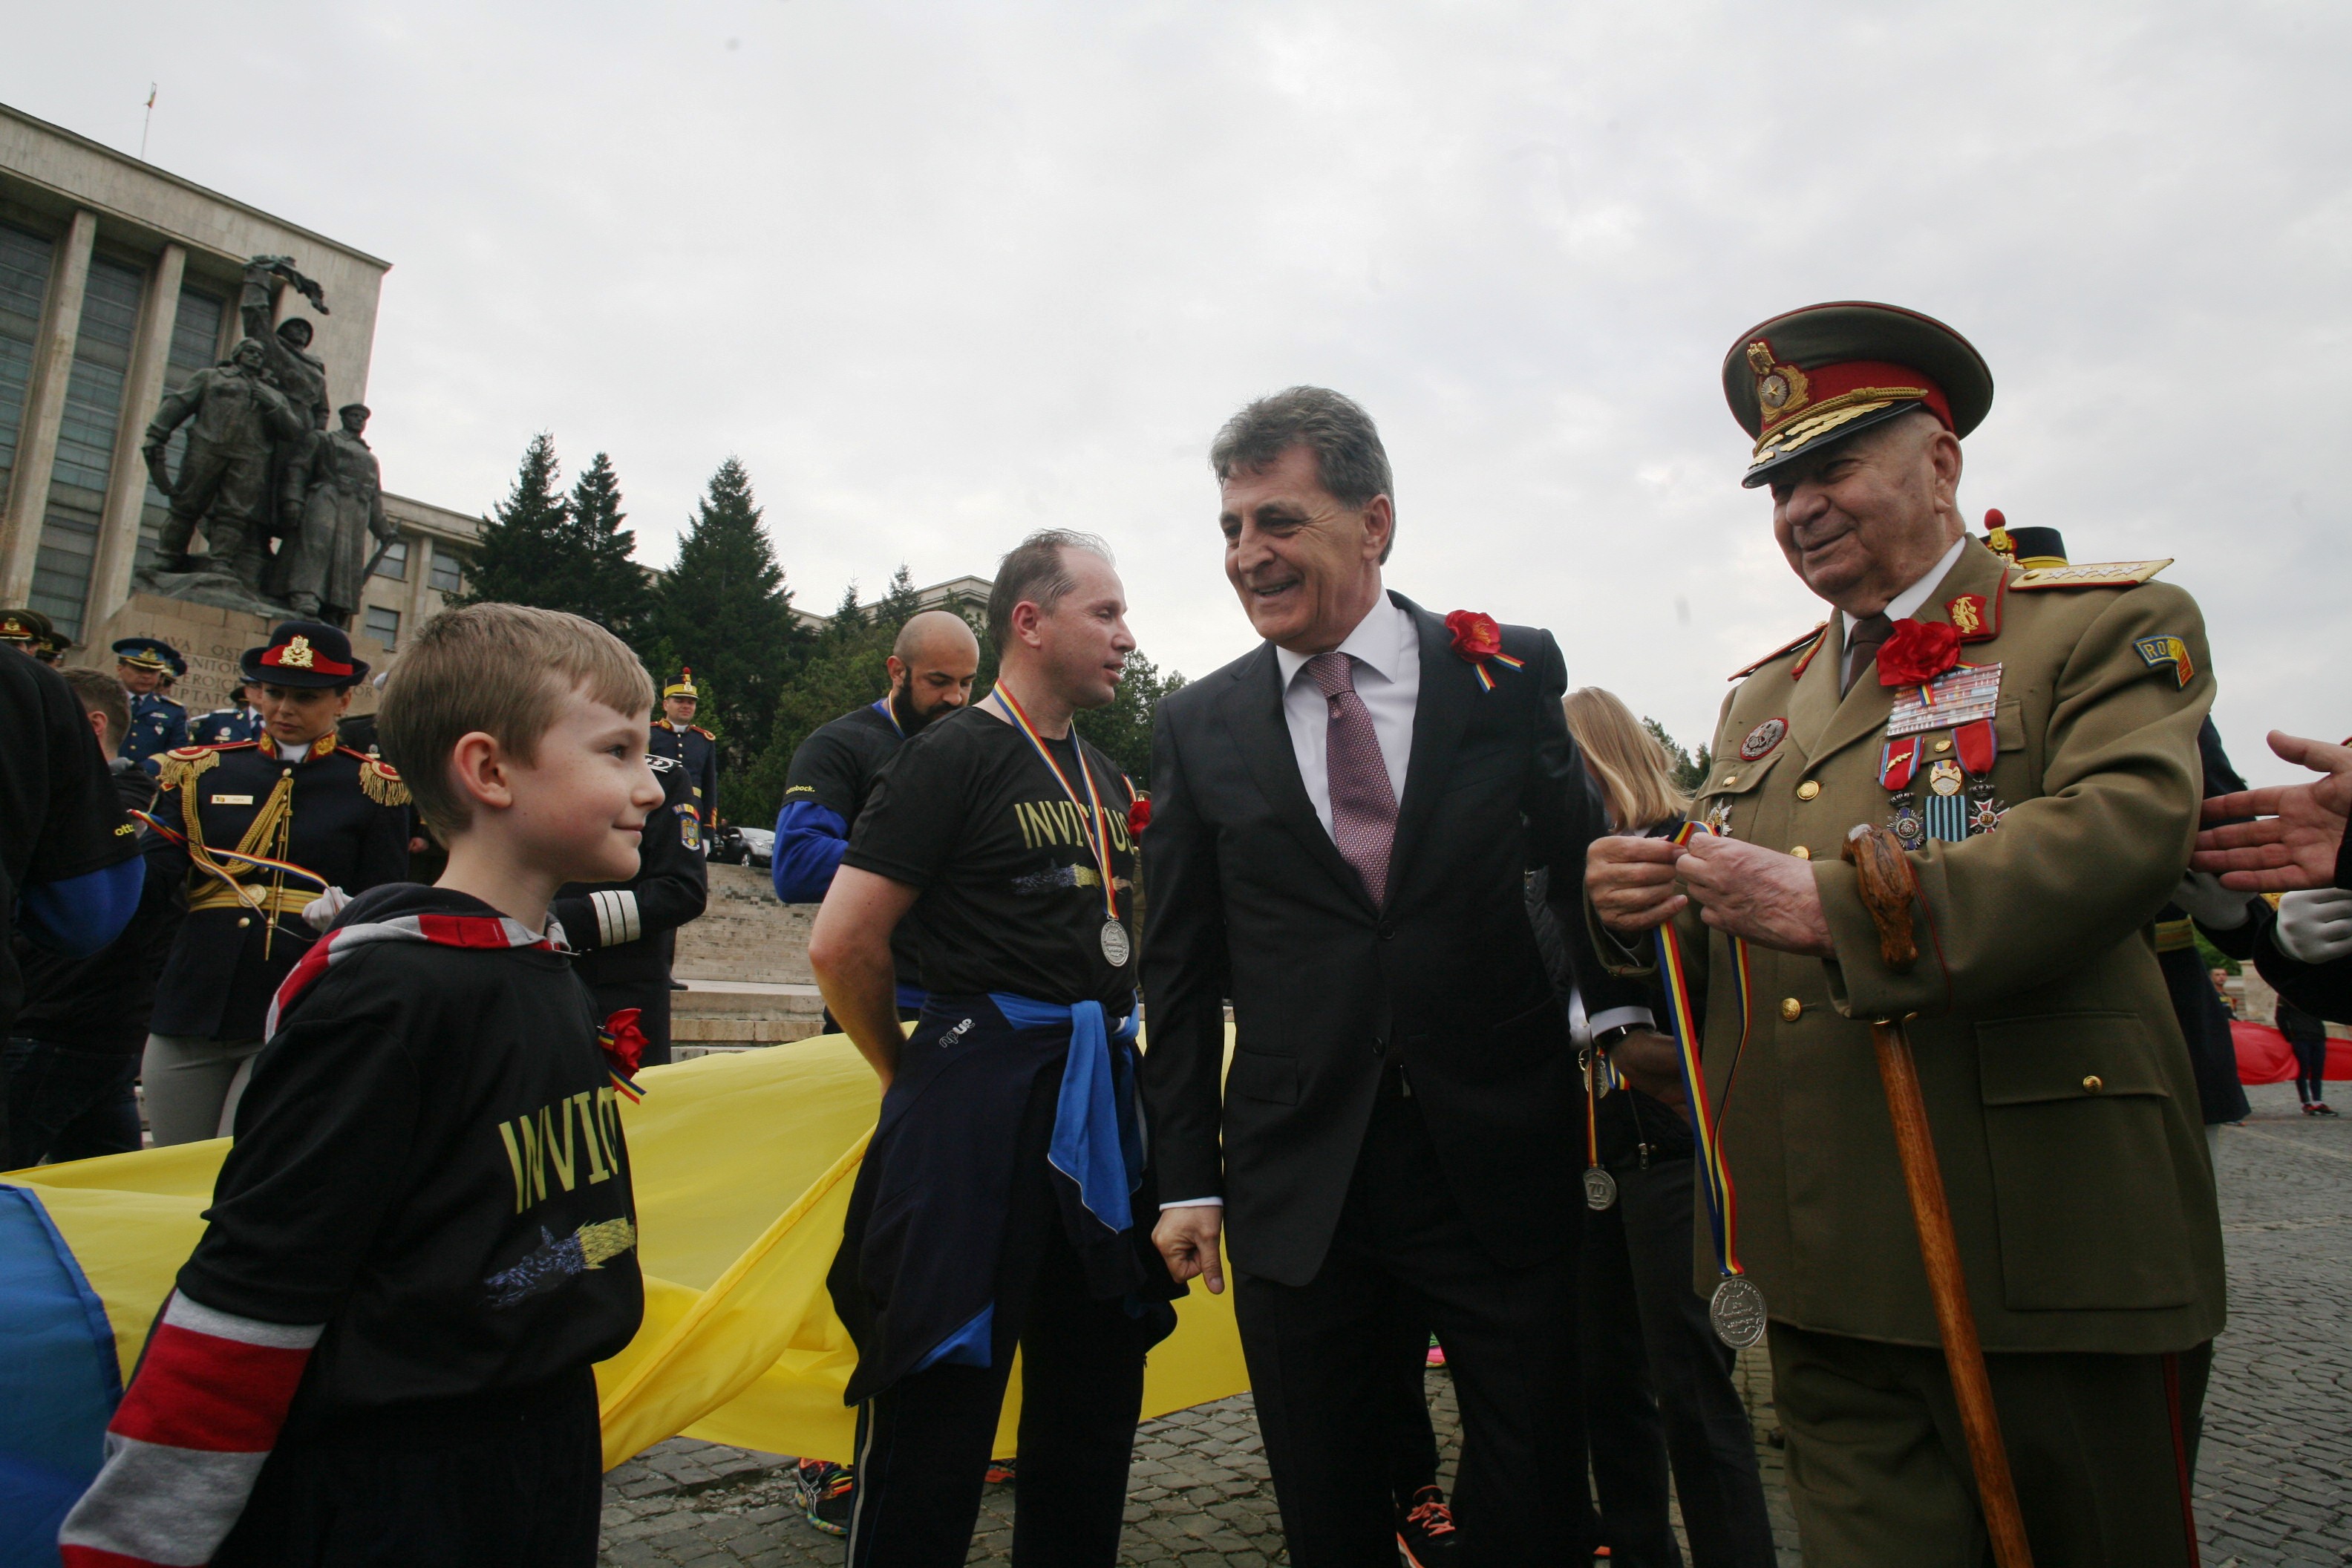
(1479, 639)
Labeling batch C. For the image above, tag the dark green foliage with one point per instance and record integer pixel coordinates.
(723, 610)
(599, 580)
(523, 542)
(2213, 957)
(1123, 730)
(1689, 771)
(900, 605)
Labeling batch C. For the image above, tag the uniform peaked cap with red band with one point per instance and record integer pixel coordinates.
(1829, 371)
(304, 653)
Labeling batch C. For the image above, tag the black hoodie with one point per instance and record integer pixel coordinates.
(429, 1161)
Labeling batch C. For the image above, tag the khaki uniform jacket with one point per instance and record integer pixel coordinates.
(2060, 1092)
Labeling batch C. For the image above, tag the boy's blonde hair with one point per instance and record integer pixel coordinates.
(1635, 775)
(503, 670)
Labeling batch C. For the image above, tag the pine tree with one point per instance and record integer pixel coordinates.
(900, 605)
(724, 609)
(522, 548)
(601, 580)
(848, 626)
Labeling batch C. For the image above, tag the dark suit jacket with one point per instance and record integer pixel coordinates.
(1249, 899)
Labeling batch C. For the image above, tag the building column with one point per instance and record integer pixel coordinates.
(45, 411)
(420, 568)
(126, 483)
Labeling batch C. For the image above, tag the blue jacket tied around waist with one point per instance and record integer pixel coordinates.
(917, 1279)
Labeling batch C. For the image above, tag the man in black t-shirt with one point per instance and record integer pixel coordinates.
(931, 666)
(998, 1203)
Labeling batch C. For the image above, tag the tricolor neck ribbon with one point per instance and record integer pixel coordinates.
(1097, 834)
(260, 862)
(1706, 1126)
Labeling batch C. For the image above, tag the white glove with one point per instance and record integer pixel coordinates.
(2209, 904)
(2315, 926)
(320, 912)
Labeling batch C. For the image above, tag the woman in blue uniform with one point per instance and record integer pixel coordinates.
(254, 832)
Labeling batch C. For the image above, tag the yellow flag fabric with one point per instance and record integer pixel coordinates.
(742, 1165)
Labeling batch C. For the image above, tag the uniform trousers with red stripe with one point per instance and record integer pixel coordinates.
(2102, 1448)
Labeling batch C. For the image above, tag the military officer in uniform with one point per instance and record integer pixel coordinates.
(676, 736)
(622, 934)
(2030, 736)
(157, 724)
(26, 631)
(254, 834)
(228, 726)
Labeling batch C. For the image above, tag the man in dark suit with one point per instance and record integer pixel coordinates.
(1340, 824)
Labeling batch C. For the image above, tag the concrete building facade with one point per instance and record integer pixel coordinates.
(118, 281)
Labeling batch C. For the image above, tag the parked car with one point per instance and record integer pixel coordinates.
(759, 845)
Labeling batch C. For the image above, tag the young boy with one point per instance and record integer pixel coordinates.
(424, 1235)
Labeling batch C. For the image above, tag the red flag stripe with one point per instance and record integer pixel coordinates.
(205, 1393)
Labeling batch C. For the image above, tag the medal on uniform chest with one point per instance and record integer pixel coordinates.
(1736, 1308)
(1958, 800)
(1719, 817)
(1116, 947)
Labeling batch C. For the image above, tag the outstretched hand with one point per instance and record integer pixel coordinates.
(2300, 831)
(1761, 894)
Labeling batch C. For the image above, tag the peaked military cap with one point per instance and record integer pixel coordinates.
(27, 626)
(304, 653)
(150, 653)
(1831, 371)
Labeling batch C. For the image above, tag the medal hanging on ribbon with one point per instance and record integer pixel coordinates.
(1599, 1186)
(1116, 947)
(1736, 1308)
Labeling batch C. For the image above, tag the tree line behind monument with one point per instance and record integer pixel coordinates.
(725, 611)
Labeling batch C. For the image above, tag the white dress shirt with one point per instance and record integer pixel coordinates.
(1906, 603)
(1386, 649)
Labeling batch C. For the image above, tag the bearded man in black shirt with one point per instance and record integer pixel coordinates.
(999, 1202)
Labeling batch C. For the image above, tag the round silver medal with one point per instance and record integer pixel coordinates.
(1116, 948)
(1738, 1312)
(1600, 1188)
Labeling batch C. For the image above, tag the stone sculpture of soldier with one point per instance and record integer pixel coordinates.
(224, 483)
(339, 491)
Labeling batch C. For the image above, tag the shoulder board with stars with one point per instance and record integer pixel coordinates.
(1791, 646)
(381, 782)
(2089, 574)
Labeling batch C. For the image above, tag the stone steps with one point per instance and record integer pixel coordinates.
(714, 1015)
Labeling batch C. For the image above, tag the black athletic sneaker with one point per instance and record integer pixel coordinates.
(827, 1491)
(1424, 1529)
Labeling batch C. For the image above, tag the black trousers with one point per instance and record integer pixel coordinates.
(1322, 1356)
(923, 1444)
(1410, 1449)
(1658, 1387)
(2310, 1069)
(516, 1480)
(67, 1103)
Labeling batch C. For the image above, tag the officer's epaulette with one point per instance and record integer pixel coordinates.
(175, 768)
(1791, 646)
(701, 732)
(382, 780)
(2089, 574)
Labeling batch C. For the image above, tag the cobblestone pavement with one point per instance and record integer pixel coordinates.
(2273, 1483)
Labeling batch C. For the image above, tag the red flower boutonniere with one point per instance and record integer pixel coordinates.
(1138, 816)
(1918, 652)
(1478, 639)
(625, 1047)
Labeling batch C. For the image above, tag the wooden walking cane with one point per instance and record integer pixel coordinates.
(1887, 888)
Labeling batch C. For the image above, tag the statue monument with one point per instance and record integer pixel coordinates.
(285, 507)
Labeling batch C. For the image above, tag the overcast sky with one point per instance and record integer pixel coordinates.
(942, 274)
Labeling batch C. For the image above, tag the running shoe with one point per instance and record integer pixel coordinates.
(2319, 1108)
(826, 1492)
(1000, 1471)
(1436, 1352)
(1424, 1529)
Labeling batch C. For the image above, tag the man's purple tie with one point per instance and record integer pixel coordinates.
(1364, 804)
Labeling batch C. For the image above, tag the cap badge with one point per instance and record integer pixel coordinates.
(296, 654)
(1760, 740)
(1780, 389)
